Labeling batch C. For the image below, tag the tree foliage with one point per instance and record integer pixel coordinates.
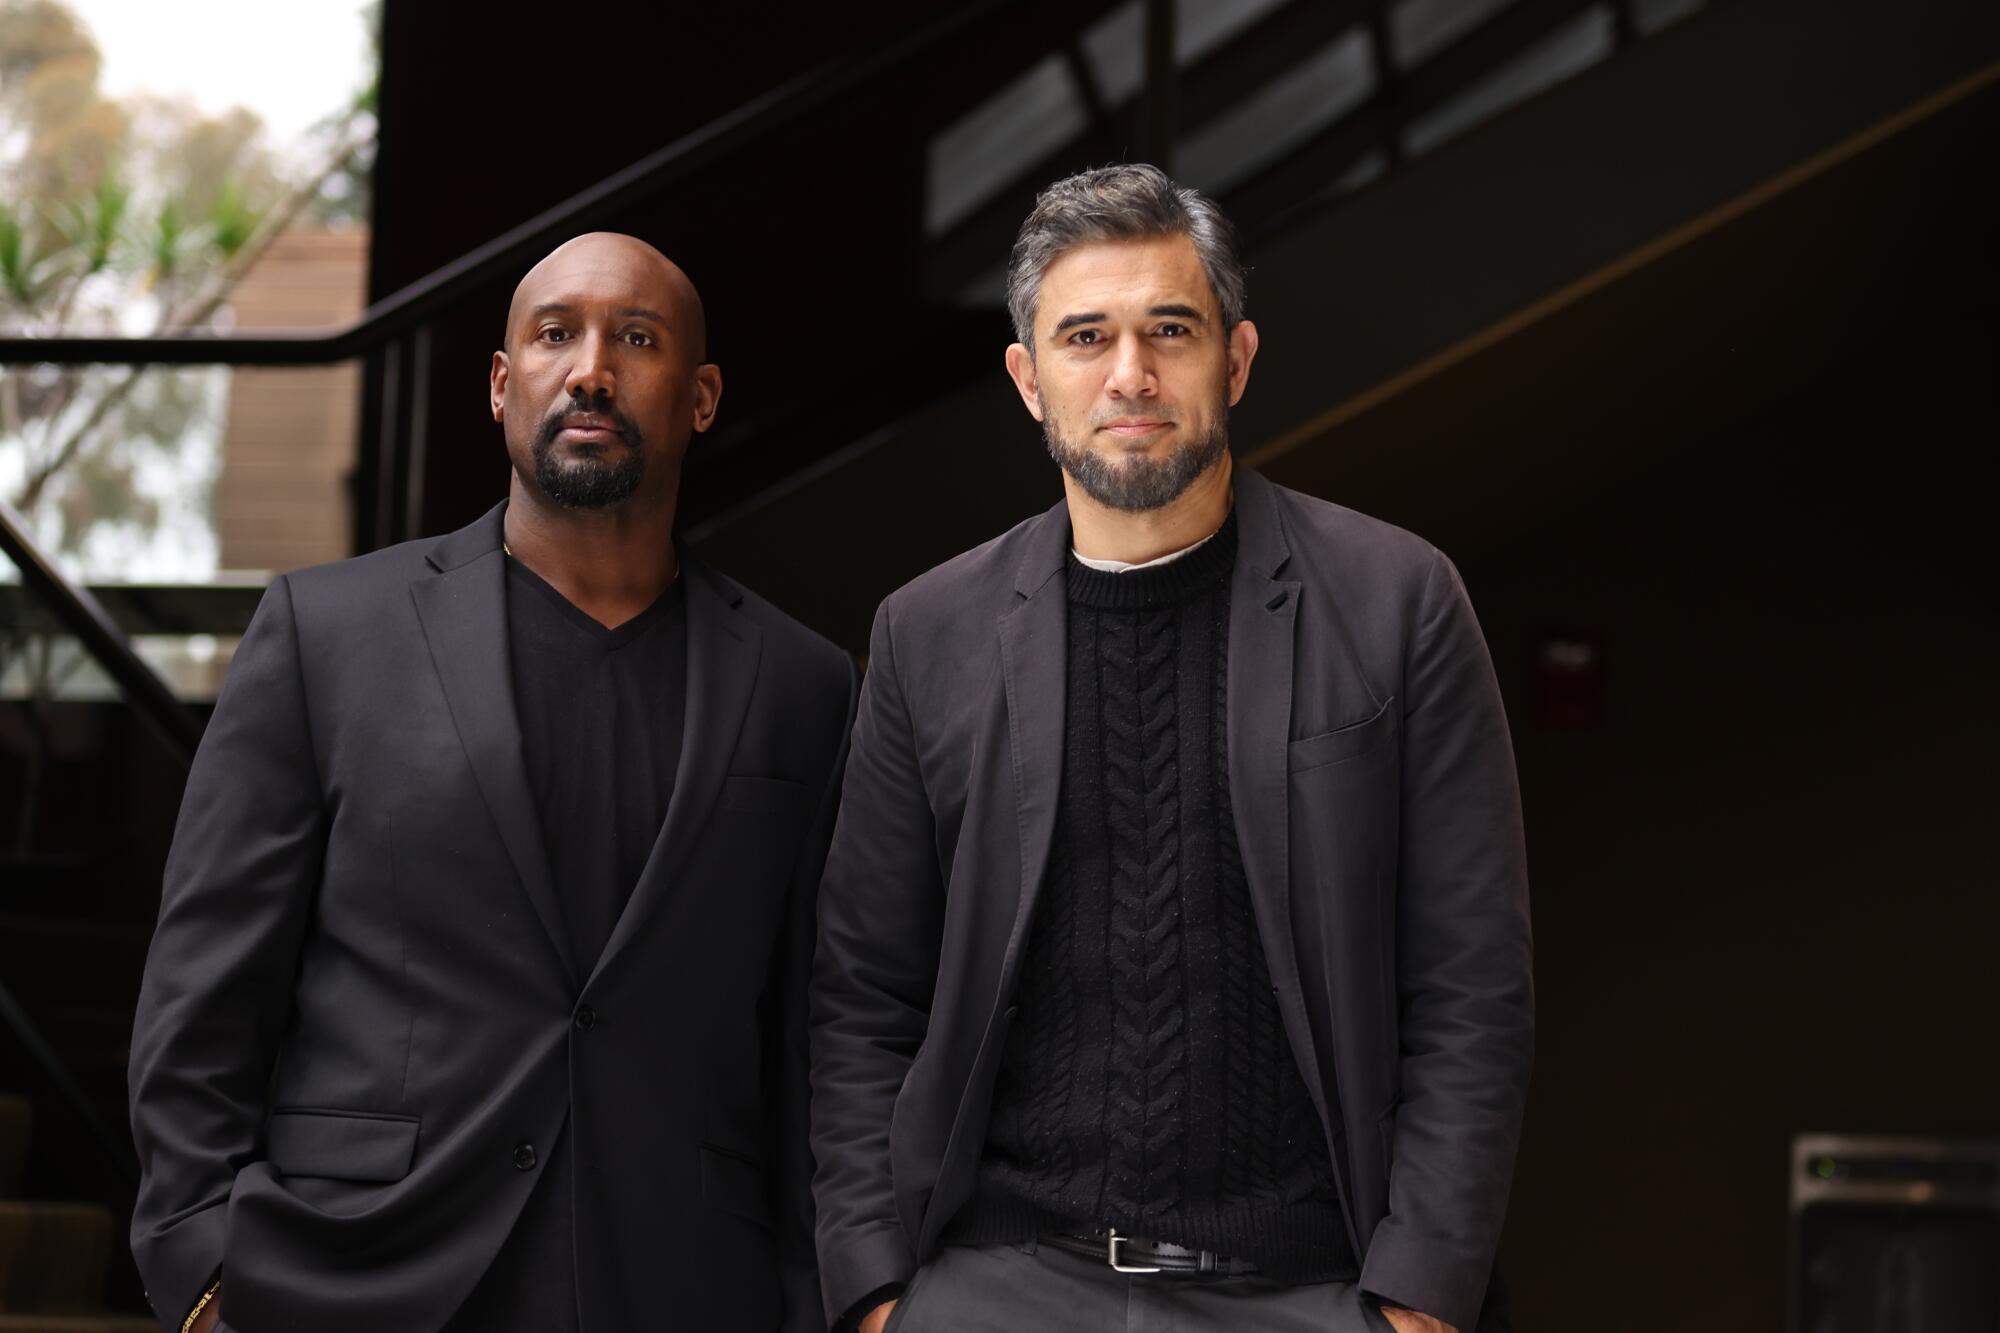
(132, 215)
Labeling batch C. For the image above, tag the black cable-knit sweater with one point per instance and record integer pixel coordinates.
(1147, 1084)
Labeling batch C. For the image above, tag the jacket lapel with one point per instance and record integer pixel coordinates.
(463, 609)
(1263, 619)
(1033, 657)
(723, 650)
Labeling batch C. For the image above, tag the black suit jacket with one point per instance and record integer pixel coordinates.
(361, 1028)
(1377, 809)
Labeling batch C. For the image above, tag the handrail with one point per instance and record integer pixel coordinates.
(82, 616)
(505, 255)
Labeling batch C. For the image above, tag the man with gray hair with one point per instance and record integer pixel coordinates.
(1174, 960)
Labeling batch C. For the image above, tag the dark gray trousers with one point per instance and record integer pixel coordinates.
(1007, 1288)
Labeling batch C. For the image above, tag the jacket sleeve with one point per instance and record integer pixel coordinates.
(237, 894)
(786, 1045)
(1465, 991)
(880, 911)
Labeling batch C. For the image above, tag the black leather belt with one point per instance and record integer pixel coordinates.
(1133, 1254)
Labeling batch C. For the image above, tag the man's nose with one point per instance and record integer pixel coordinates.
(590, 370)
(1131, 370)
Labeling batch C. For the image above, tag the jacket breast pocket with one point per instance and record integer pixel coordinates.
(341, 1145)
(1344, 743)
(735, 1184)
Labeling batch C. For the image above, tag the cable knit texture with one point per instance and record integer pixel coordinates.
(1147, 1083)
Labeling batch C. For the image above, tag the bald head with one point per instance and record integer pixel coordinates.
(609, 263)
(603, 377)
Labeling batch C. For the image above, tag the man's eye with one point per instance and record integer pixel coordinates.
(554, 335)
(639, 338)
(1085, 337)
(1173, 330)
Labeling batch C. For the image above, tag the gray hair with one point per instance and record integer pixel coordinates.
(1129, 202)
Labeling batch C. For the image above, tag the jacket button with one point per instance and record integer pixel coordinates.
(524, 1156)
(586, 1017)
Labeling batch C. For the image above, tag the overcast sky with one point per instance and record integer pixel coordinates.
(292, 62)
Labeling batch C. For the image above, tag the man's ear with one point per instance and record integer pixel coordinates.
(707, 394)
(1021, 369)
(496, 386)
(1242, 351)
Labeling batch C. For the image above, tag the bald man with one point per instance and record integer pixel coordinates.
(477, 996)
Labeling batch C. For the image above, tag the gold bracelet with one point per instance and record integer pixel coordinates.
(187, 1325)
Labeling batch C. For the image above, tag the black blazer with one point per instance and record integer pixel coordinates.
(361, 1028)
(1378, 814)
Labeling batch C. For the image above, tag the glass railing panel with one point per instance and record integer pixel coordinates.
(1419, 29)
(172, 475)
(112, 467)
(196, 486)
(185, 632)
(1649, 16)
(1570, 49)
(1004, 136)
(1281, 115)
(1115, 45)
(1200, 26)
(54, 668)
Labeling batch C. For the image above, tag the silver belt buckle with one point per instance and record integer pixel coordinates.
(1111, 1255)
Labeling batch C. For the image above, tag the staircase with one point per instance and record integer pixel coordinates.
(54, 1256)
(78, 891)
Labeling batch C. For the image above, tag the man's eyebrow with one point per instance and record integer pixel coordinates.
(629, 312)
(1068, 322)
(1175, 310)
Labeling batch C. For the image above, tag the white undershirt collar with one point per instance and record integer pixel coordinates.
(1124, 567)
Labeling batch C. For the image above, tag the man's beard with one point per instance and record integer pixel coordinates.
(1136, 483)
(594, 480)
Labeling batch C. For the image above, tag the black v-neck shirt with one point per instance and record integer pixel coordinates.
(601, 716)
(601, 712)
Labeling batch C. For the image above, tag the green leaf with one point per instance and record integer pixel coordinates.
(231, 220)
(92, 226)
(24, 274)
(109, 203)
(167, 240)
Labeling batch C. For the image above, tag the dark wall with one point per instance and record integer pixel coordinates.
(1763, 872)
(1751, 476)
(486, 124)
(806, 249)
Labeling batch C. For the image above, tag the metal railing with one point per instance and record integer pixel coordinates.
(506, 255)
(392, 334)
